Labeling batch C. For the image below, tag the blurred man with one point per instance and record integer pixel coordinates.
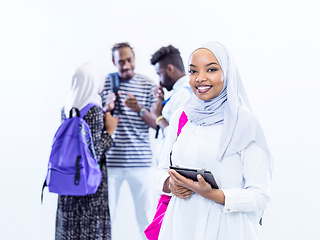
(169, 66)
(130, 158)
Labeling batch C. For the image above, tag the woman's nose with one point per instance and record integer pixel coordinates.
(201, 77)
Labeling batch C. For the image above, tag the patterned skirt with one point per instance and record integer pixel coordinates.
(85, 217)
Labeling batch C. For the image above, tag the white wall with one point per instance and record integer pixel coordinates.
(276, 45)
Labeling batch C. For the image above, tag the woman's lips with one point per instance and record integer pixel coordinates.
(203, 88)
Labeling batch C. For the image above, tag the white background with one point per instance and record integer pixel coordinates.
(276, 46)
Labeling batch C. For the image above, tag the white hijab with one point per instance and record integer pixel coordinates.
(240, 125)
(86, 85)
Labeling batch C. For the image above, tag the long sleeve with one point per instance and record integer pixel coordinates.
(257, 175)
(102, 140)
(160, 173)
(245, 182)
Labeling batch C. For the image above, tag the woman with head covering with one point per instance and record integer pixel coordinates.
(224, 136)
(87, 217)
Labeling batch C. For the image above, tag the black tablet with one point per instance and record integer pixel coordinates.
(192, 173)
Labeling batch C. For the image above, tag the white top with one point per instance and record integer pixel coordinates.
(243, 177)
(179, 94)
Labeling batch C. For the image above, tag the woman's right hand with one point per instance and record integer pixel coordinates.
(201, 187)
(110, 122)
(176, 188)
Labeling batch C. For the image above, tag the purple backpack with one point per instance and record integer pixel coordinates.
(73, 167)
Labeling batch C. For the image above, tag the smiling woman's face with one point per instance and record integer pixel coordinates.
(206, 76)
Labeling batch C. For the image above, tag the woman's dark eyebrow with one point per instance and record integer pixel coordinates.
(191, 65)
(211, 64)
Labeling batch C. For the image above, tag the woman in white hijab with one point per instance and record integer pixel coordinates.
(87, 217)
(224, 136)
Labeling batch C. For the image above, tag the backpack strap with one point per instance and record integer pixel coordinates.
(43, 186)
(164, 102)
(114, 86)
(85, 110)
(114, 82)
(74, 110)
(182, 122)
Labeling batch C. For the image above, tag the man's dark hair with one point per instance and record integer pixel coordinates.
(117, 46)
(168, 55)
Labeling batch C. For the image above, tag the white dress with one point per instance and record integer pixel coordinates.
(243, 177)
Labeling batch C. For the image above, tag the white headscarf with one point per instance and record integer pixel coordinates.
(240, 125)
(86, 85)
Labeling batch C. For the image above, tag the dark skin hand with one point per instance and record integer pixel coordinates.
(132, 103)
(159, 93)
(175, 187)
(110, 122)
(156, 108)
(183, 187)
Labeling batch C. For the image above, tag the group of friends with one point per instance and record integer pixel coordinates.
(222, 134)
